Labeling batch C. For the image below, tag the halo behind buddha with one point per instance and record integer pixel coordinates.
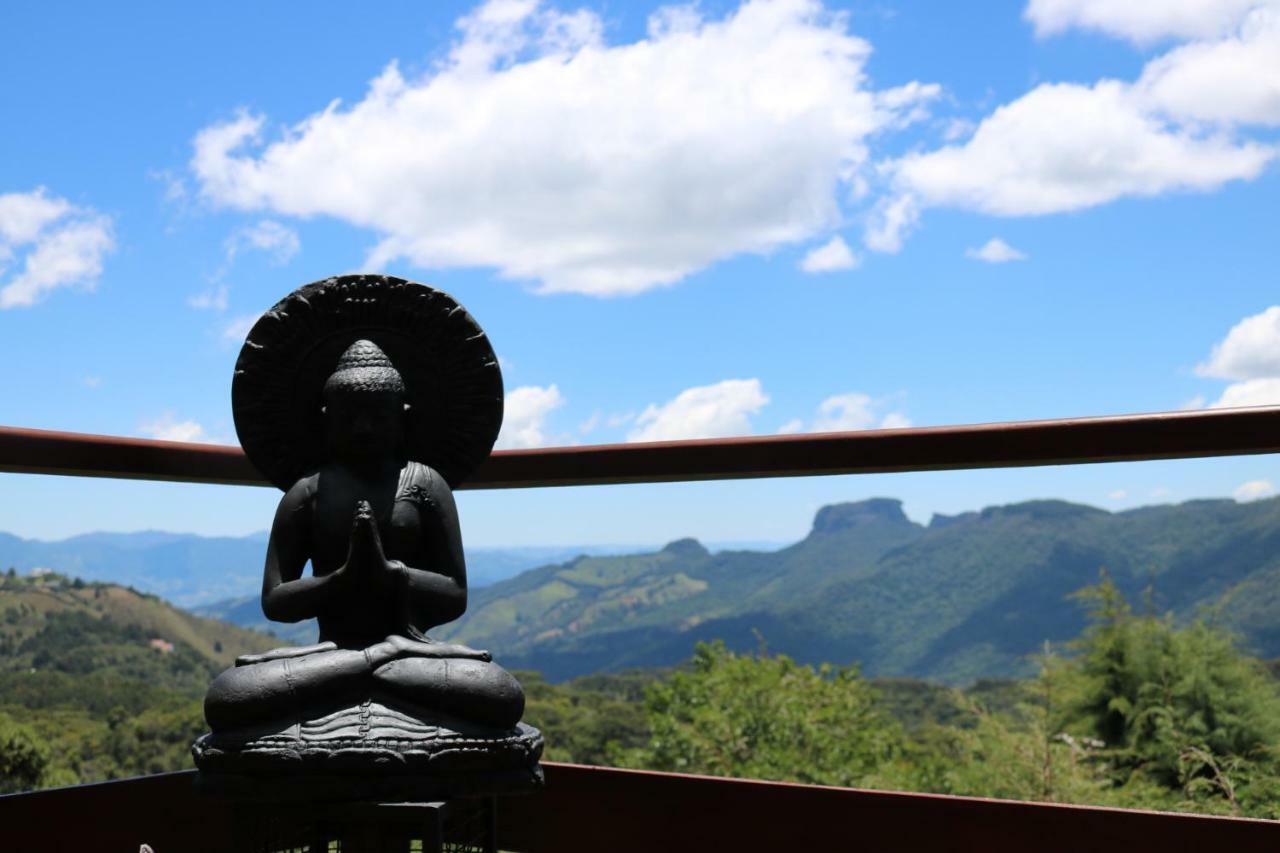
(450, 374)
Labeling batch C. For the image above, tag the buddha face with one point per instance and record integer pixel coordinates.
(364, 425)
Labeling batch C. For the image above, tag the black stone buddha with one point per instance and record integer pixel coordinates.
(366, 398)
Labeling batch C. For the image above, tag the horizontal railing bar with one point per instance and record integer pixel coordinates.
(1121, 438)
(601, 808)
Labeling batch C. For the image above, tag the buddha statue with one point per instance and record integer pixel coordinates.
(374, 601)
(366, 455)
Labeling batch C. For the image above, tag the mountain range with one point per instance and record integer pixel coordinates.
(196, 571)
(962, 598)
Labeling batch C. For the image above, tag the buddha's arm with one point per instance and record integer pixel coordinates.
(435, 585)
(286, 595)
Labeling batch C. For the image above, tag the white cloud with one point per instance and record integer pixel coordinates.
(1253, 490)
(524, 416)
(1139, 20)
(708, 411)
(24, 215)
(995, 251)
(1069, 146)
(278, 241)
(1251, 349)
(831, 256)
(590, 424)
(59, 244)
(1250, 354)
(94, 382)
(621, 419)
(850, 411)
(1064, 147)
(1251, 392)
(167, 427)
(235, 331)
(541, 151)
(890, 221)
(175, 186)
(1230, 80)
(1118, 495)
(214, 299)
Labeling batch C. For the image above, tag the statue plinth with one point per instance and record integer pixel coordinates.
(373, 750)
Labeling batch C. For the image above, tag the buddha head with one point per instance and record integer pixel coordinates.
(364, 405)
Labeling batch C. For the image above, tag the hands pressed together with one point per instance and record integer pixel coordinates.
(366, 566)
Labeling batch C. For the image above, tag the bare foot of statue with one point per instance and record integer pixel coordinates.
(285, 652)
(429, 648)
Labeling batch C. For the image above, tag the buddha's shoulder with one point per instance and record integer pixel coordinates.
(421, 483)
(302, 492)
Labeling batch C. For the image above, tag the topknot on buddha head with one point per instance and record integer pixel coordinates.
(364, 369)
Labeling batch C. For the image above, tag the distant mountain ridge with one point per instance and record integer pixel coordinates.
(221, 571)
(965, 597)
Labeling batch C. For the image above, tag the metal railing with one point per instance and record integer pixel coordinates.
(594, 809)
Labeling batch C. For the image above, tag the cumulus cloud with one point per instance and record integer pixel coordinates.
(55, 244)
(1180, 127)
(1139, 20)
(1253, 490)
(832, 256)
(279, 242)
(525, 414)
(995, 251)
(1251, 349)
(1250, 355)
(1231, 80)
(707, 411)
(1251, 392)
(168, 427)
(540, 151)
(851, 411)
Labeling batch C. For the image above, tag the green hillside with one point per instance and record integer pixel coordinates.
(109, 678)
(963, 598)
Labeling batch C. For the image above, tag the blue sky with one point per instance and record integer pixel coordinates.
(672, 221)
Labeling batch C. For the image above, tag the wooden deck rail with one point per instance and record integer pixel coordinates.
(1123, 438)
(592, 809)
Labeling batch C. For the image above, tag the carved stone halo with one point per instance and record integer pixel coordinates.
(452, 379)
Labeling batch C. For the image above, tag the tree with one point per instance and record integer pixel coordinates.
(1180, 711)
(24, 757)
(766, 717)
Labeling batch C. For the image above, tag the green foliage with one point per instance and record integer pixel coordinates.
(108, 683)
(591, 719)
(1141, 712)
(766, 717)
(24, 757)
(1177, 710)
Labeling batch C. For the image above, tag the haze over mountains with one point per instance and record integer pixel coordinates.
(195, 571)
